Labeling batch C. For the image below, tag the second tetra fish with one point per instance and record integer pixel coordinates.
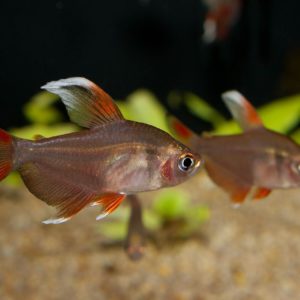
(97, 166)
(247, 165)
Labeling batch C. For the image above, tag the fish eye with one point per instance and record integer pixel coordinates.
(186, 162)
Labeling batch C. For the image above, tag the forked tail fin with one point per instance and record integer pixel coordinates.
(6, 153)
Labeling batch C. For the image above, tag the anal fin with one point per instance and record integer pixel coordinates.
(228, 181)
(52, 187)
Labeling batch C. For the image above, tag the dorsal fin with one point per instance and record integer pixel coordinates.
(241, 110)
(182, 132)
(87, 104)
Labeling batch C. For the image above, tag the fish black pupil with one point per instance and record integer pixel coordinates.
(187, 162)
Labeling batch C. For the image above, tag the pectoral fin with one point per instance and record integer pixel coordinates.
(227, 181)
(261, 193)
(87, 104)
(242, 110)
(109, 203)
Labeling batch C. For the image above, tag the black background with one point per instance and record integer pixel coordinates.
(123, 45)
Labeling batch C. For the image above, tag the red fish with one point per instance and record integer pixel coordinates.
(113, 157)
(247, 165)
(221, 16)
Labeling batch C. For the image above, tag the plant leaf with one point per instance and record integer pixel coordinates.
(171, 204)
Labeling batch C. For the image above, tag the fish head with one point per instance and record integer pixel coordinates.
(179, 164)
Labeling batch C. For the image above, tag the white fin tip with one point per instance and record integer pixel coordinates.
(236, 205)
(233, 96)
(101, 216)
(79, 81)
(56, 221)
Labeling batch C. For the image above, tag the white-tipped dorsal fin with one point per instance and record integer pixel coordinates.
(241, 110)
(87, 104)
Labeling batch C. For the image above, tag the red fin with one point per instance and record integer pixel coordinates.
(109, 203)
(221, 17)
(5, 154)
(69, 198)
(242, 110)
(239, 195)
(261, 193)
(179, 129)
(87, 104)
(227, 181)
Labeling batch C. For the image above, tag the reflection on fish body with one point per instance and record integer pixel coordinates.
(247, 165)
(100, 165)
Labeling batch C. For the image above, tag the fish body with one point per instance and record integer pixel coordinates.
(129, 159)
(250, 164)
(100, 165)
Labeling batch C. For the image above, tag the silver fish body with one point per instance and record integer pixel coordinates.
(100, 165)
(123, 157)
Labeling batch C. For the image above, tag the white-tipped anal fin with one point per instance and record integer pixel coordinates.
(56, 221)
(102, 216)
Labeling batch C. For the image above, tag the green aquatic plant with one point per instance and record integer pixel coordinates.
(197, 106)
(40, 109)
(174, 205)
(296, 136)
(143, 106)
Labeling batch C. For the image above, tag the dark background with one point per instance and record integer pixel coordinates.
(123, 45)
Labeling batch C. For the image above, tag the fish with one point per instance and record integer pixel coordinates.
(110, 158)
(221, 16)
(248, 165)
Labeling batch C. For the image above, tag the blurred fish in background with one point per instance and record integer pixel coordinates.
(247, 165)
(219, 19)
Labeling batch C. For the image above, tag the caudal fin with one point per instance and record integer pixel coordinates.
(6, 152)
